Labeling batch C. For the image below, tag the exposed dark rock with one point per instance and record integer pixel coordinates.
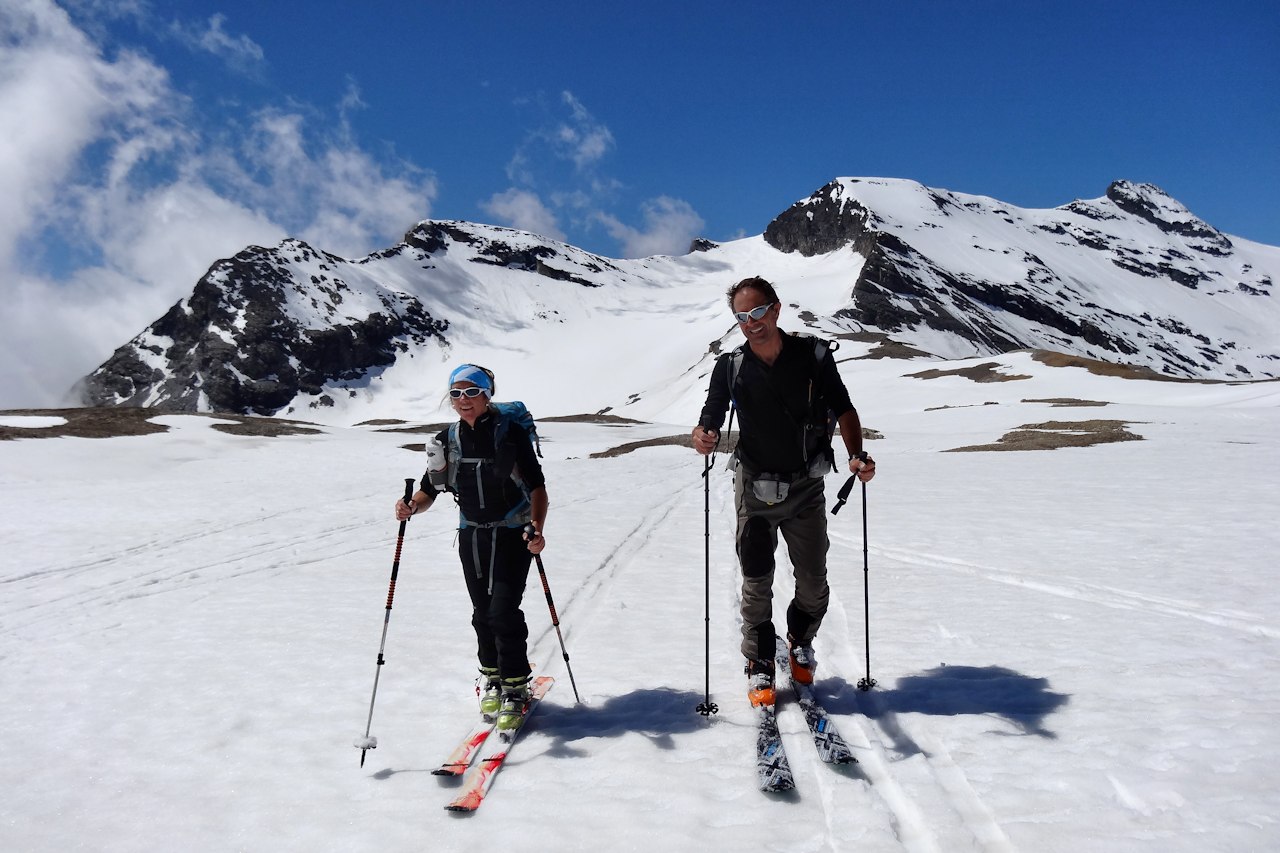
(822, 223)
(1152, 204)
(236, 345)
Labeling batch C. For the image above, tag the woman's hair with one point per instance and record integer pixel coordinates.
(755, 283)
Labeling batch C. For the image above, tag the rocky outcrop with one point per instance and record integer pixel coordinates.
(986, 282)
(822, 223)
(250, 338)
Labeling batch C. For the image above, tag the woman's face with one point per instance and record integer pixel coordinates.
(468, 408)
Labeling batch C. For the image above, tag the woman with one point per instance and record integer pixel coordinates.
(487, 461)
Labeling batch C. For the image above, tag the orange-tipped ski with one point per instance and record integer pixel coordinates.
(476, 784)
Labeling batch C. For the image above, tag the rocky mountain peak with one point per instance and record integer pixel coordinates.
(829, 219)
(1132, 277)
(1154, 205)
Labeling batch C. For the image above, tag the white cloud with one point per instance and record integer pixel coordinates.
(669, 227)
(104, 162)
(57, 96)
(580, 140)
(585, 141)
(239, 51)
(332, 192)
(558, 176)
(524, 210)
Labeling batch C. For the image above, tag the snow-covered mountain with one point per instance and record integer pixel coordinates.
(1132, 277)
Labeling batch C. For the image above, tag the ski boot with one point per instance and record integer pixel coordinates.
(489, 689)
(515, 702)
(760, 682)
(803, 662)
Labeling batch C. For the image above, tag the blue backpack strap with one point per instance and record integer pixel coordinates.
(522, 513)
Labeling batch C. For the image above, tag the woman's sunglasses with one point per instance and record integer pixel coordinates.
(754, 313)
(473, 391)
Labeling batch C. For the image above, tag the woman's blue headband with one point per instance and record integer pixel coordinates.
(474, 375)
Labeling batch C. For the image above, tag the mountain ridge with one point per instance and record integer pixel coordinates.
(1132, 277)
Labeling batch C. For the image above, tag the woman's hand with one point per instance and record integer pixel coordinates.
(404, 510)
(535, 539)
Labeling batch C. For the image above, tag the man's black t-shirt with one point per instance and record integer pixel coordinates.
(776, 402)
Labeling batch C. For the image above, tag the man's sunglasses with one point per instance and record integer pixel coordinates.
(473, 391)
(754, 313)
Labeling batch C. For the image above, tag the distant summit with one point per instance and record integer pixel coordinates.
(1132, 277)
(1090, 274)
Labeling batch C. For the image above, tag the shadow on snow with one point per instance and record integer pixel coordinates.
(658, 714)
(1021, 700)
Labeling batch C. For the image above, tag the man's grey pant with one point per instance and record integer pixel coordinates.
(803, 521)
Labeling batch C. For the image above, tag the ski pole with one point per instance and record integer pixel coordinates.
(707, 708)
(367, 743)
(868, 682)
(555, 620)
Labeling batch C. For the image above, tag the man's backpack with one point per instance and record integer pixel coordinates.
(821, 347)
(505, 414)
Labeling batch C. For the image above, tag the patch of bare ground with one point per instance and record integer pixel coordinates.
(972, 406)
(1069, 402)
(597, 418)
(686, 440)
(986, 372)
(263, 427)
(110, 422)
(432, 429)
(1052, 435)
(419, 429)
(1103, 368)
(894, 349)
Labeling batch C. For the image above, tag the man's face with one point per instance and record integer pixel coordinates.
(756, 330)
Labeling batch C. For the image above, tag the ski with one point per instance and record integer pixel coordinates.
(772, 767)
(475, 785)
(460, 759)
(831, 747)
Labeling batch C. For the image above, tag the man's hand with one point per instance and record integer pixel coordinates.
(863, 466)
(704, 441)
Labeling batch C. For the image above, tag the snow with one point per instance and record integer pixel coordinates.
(31, 421)
(1075, 648)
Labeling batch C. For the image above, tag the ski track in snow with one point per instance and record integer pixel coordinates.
(1107, 596)
(918, 804)
(912, 806)
(174, 570)
(622, 553)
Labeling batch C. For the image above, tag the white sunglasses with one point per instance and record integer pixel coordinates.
(473, 391)
(754, 313)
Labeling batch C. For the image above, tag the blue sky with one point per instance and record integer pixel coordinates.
(149, 139)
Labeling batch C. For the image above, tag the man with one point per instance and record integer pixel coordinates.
(783, 387)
